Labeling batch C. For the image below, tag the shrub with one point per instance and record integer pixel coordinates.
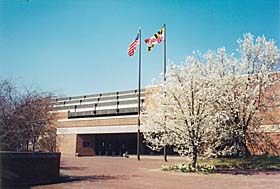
(187, 168)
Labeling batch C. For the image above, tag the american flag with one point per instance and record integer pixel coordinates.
(133, 45)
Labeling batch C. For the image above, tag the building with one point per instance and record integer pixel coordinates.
(100, 124)
(106, 124)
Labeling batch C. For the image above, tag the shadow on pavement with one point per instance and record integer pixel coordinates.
(61, 179)
(72, 168)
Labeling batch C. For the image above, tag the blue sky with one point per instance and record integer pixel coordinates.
(77, 47)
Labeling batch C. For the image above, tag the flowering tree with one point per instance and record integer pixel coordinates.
(183, 114)
(243, 84)
(209, 104)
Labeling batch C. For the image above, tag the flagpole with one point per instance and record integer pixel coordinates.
(139, 89)
(164, 77)
(164, 53)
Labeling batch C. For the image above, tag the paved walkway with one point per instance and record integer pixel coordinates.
(101, 173)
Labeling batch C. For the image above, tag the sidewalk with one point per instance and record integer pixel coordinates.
(117, 172)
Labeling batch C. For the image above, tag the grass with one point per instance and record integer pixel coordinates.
(252, 163)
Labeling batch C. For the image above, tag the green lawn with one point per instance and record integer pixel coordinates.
(253, 162)
(230, 165)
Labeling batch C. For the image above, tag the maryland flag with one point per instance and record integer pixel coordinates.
(157, 38)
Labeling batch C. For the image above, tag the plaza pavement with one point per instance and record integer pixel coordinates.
(116, 172)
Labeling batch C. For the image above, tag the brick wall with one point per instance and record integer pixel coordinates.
(265, 143)
(148, 93)
(61, 115)
(99, 122)
(85, 145)
(67, 144)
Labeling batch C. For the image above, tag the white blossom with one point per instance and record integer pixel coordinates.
(208, 104)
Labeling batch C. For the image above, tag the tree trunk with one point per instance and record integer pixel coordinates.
(244, 151)
(194, 157)
(34, 143)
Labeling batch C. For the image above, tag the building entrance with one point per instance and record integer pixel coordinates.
(115, 144)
